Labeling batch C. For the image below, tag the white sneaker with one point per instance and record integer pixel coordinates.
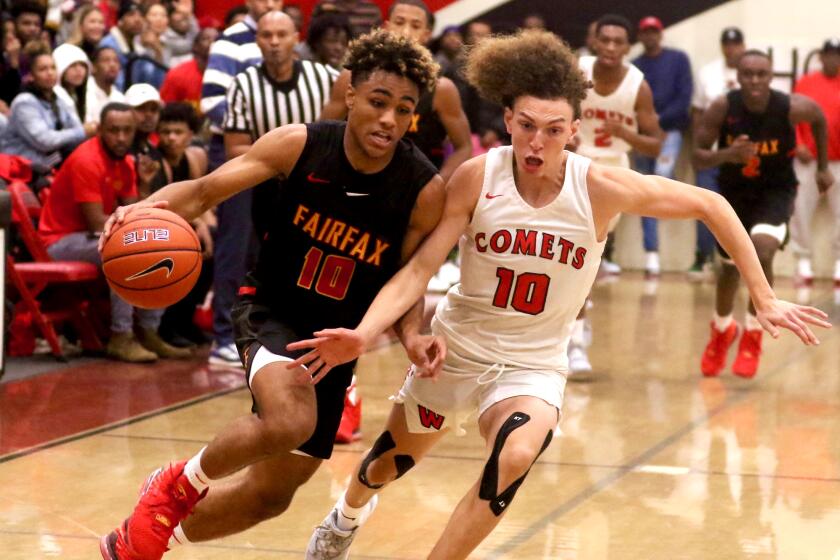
(804, 272)
(652, 263)
(578, 360)
(610, 267)
(225, 356)
(328, 542)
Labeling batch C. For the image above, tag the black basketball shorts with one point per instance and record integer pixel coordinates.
(256, 326)
(768, 213)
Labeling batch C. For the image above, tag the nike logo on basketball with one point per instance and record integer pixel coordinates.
(313, 179)
(166, 263)
(489, 196)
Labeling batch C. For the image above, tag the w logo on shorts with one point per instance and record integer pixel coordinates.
(430, 418)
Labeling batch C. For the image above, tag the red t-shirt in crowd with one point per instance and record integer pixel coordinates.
(183, 83)
(826, 92)
(88, 175)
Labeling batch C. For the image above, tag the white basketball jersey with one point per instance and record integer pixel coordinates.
(620, 105)
(525, 271)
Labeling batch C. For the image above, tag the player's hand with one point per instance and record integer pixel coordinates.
(803, 154)
(118, 217)
(741, 149)
(427, 354)
(614, 128)
(824, 180)
(329, 348)
(796, 318)
(147, 168)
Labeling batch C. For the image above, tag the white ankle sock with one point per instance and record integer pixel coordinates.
(348, 517)
(578, 330)
(194, 473)
(751, 323)
(722, 323)
(178, 538)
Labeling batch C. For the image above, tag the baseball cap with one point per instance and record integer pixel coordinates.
(650, 22)
(139, 94)
(732, 35)
(831, 45)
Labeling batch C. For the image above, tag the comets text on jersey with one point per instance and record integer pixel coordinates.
(346, 238)
(534, 243)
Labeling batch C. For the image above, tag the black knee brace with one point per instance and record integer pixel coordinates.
(490, 479)
(383, 444)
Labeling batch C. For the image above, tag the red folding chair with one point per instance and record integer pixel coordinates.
(30, 279)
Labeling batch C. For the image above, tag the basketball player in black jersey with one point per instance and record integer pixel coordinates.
(755, 131)
(355, 203)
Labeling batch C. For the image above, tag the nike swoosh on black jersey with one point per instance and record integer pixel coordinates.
(166, 263)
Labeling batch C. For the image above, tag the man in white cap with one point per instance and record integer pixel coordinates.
(146, 104)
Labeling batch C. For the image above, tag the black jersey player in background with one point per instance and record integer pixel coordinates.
(356, 202)
(755, 131)
(439, 114)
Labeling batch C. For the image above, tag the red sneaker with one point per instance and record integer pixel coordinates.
(749, 352)
(166, 499)
(714, 357)
(113, 546)
(349, 430)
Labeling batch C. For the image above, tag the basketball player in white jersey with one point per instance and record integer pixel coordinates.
(532, 219)
(617, 116)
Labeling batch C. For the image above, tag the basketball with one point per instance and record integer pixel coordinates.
(152, 259)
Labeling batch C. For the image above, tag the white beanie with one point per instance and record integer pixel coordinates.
(66, 55)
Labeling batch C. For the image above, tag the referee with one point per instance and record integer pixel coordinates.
(280, 91)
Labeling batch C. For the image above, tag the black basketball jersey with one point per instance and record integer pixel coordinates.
(426, 130)
(336, 234)
(772, 165)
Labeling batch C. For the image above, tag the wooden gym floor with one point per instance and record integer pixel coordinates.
(654, 462)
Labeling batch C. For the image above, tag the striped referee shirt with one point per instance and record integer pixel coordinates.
(257, 103)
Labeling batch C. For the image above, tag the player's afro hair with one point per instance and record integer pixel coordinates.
(535, 63)
(382, 50)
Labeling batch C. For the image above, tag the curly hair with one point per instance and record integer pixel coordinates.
(535, 63)
(180, 111)
(383, 50)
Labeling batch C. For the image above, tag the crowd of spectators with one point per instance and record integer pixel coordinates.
(115, 99)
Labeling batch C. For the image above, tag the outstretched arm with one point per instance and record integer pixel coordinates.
(338, 346)
(275, 154)
(422, 351)
(805, 109)
(614, 190)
